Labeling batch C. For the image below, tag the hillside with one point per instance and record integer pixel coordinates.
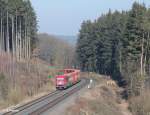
(103, 98)
(70, 39)
(56, 51)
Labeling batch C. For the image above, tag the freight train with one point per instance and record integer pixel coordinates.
(67, 78)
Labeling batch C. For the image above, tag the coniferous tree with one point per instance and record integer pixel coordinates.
(18, 27)
(118, 44)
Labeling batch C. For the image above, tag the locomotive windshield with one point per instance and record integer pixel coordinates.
(60, 78)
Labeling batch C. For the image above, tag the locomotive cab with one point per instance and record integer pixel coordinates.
(60, 82)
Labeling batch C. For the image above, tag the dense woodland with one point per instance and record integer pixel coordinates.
(20, 74)
(118, 44)
(18, 27)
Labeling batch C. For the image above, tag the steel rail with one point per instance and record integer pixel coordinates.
(31, 103)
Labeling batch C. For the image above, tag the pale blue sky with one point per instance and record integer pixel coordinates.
(64, 17)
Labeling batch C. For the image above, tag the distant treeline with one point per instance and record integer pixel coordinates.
(118, 44)
(57, 52)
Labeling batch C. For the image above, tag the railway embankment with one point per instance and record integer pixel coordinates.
(102, 98)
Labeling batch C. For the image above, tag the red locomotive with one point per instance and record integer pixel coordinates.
(67, 78)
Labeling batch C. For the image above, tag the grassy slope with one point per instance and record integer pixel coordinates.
(101, 99)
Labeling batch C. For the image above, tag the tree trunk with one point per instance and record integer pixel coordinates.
(7, 40)
(142, 54)
(25, 40)
(20, 41)
(146, 53)
(16, 47)
(29, 47)
(1, 37)
(13, 41)
(120, 60)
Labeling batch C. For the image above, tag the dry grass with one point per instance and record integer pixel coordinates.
(17, 96)
(14, 97)
(140, 105)
(100, 100)
(22, 80)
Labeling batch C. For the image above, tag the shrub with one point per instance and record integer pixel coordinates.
(15, 96)
(3, 86)
(140, 105)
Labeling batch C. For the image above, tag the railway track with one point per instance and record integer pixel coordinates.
(27, 105)
(38, 106)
